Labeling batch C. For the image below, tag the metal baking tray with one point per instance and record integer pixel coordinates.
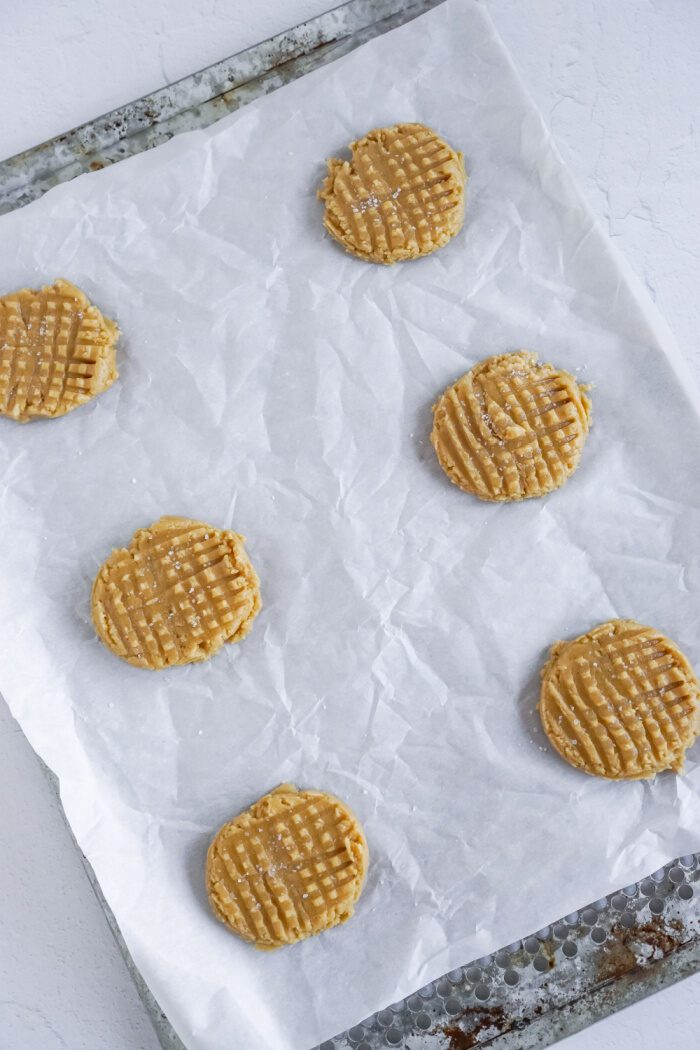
(584, 966)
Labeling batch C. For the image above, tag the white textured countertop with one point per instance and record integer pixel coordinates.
(618, 84)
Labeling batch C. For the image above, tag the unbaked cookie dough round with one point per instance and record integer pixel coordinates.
(620, 702)
(175, 595)
(292, 865)
(401, 194)
(57, 351)
(511, 428)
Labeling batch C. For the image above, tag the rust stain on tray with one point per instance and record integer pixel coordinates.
(483, 1019)
(624, 952)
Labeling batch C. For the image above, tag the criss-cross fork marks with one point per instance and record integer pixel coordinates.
(56, 351)
(511, 429)
(176, 594)
(401, 195)
(621, 702)
(276, 879)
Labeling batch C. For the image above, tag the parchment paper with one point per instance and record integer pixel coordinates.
(272, 384)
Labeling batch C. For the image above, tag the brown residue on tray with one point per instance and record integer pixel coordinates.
(480, 1018)
(621, 954)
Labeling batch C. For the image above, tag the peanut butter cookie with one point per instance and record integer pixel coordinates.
(401, 194)
(56, 352)
(175, 595)
(292, 865)
(620, 702)
(511, 428)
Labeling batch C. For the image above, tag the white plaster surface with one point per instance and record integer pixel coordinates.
(619, 85)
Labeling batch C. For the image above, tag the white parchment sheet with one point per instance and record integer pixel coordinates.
(272, 384)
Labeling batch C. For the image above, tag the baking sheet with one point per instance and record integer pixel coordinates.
(274, 385)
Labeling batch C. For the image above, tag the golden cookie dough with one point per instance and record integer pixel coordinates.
(56, 352)
(292, 865)
(400, 196)
(511, 428)
(620, 702)
(175, 594)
